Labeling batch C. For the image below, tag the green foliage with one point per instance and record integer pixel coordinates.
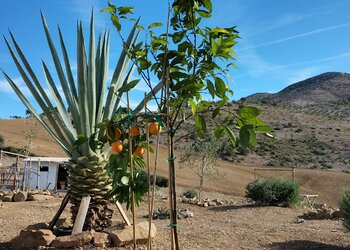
(345, 208)
(123, 185)
(191, 193)
(273, 192)
(161, 181)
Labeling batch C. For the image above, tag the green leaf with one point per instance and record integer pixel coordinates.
(201, 125)
(220, 87)
(218, 130)
(155, 25)
(125, 180)
(252, 138)
(81, 140)
(214, 47)
(193, 106)
(263, 128)
(116, 22)
(208, 5)
(248, 112)
(211, 88)
(244, 137)
(204, 13)
(128, 86)
(230, 135)
(125, 10)
(178, 36)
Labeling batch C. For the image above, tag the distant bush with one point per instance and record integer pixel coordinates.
(345, 208)
(161, 181)
(191, 193)
(273, 192)
(1, 140)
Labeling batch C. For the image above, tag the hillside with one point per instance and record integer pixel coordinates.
(311, 123)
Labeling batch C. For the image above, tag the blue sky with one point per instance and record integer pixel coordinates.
(282, 42)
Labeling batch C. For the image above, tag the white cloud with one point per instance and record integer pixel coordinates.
(295, 36)
(7, 89)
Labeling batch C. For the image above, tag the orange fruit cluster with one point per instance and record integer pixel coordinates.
(134, 130)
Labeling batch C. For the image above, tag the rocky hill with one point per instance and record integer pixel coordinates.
(311, 122)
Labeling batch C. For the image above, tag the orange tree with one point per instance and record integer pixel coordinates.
(189, 60)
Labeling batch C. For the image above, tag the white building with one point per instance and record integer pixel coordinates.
(46, 173)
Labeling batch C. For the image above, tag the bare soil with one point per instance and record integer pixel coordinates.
(238, 225)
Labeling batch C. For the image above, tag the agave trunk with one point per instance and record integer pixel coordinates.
(88, 177)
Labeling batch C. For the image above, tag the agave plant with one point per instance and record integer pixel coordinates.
(89, 102)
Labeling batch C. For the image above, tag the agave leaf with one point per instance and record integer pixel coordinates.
(68, 67)
(148, 97)
(103, 65)
(58, 66)
(82, 83)
(91, 78)
(119, 71)
(47, 108)
(64, 146)
(68, 127)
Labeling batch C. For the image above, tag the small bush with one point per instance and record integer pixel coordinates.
(345, 208)
(161, 181)
(273, 192)
(191, 193)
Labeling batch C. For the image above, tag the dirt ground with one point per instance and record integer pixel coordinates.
(238, 225)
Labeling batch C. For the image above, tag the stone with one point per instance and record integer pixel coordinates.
(64, 223)
(39, 197)
(101, 239)
(336, 214)
(46, 192)
(184, 213)
(125, 237)
(8, 197)
(33, 239)
(75, 240)
(20, 196)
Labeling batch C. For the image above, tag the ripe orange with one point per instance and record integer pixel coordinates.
(154, 128)
(117, 134)
(117, 147)
(139, 151)
(134, 130)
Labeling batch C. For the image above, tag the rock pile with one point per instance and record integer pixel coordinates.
(204, 203)
(36, 195)
(45, 238)
(322, 213)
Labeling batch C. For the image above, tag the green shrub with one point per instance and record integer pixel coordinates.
(345, 208)
(161, 181)
(273, 192)
(191, 193)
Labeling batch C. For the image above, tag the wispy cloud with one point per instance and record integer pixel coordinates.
(296, 36)
(7, 89)
(257, 65)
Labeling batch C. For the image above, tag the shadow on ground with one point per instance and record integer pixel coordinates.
(5, 245)
(303, 245)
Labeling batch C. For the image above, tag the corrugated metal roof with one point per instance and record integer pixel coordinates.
(51, 159)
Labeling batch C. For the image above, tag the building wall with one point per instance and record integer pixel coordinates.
(47, 173)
